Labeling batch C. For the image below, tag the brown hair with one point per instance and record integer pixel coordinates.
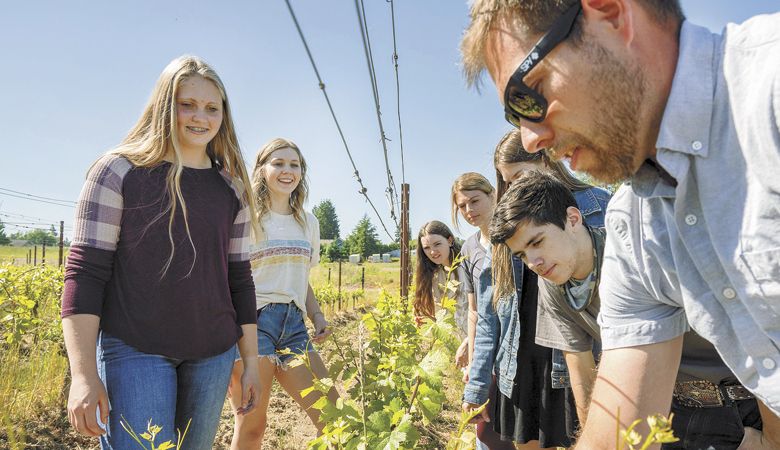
(508, 151)
(469, 181)
(423, 296)
(535, 198)
(535, 17)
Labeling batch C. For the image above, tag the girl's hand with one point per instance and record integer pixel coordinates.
(462, 355)
(321, 329)
(88, 405)
(250, 386)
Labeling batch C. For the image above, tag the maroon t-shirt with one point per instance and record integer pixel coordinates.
(117, 263)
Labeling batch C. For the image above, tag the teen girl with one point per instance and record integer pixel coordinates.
(158, 274)
(436, 251)
(287, 247)
(473, 198)
(530, 408)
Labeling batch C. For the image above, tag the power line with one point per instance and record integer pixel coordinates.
(37, 196)
(398, 94)
(363, 189)
(363, 25)
(38, 200)
(11, 215)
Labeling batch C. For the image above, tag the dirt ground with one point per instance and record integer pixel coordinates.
(289, 428)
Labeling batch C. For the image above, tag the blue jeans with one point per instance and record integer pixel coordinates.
(167, 391)
(280, 326)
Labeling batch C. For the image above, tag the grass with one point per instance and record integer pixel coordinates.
(378, 276)
(18, 255)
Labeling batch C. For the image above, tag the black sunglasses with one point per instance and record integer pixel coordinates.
(520, 101)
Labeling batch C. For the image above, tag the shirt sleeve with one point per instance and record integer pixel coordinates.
(242, 286)
(632, 313)
(96, 233)
(555, 328)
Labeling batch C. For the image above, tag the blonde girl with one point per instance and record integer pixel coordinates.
(286, 247)
(158, 287)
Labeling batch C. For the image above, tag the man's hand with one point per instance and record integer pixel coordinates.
(87, 398)
(755, 440)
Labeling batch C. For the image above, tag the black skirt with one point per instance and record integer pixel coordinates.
(536, 411)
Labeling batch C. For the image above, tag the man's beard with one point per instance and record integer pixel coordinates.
(617, 90)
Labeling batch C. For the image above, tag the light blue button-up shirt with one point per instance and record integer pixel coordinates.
(699, 245)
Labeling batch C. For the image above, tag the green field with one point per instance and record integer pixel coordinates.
(18, 255)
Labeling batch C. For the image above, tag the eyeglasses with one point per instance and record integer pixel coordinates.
(520, 101)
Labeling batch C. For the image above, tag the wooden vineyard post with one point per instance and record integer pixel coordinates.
(339, 284)
(405, 253)
(62, 229)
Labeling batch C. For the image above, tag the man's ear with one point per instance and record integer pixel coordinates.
(573, 217)
(610, 17)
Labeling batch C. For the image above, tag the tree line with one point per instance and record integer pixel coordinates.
(363, 240)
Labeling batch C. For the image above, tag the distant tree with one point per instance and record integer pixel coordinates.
(335, 251)
(363, 239)
(39, 237)
(329, 221)
(3, 238)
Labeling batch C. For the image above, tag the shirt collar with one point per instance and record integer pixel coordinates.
(687, 118)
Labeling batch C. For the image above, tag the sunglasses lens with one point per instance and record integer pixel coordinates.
(526, 106)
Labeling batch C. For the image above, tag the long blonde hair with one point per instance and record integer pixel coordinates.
(260, 187)
(469, 181)
(155, 134)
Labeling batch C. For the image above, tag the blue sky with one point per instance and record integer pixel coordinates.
(77, 74)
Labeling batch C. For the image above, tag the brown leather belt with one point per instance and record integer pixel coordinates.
(705, 394)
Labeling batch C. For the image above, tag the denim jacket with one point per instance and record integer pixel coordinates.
(498, 329)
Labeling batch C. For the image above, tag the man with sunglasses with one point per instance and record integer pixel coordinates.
(626, 89)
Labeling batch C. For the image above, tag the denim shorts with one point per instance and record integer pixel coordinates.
(280, 326)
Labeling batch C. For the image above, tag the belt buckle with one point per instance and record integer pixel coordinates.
(698, 394)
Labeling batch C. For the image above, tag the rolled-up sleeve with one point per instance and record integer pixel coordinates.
(639, 304)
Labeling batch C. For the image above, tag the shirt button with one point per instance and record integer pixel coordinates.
(691, 219)
(729, 293)
(768, 363)
(696, 145)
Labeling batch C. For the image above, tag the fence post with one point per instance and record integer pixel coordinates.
(62, 229)
(328, 275)
(339, 284)
(35, 255)
(405, 253)
(363, 279)
(43, 253)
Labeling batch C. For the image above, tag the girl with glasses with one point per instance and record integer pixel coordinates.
(158, 287)
(287, 247)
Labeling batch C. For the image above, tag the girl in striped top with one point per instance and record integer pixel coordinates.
(288, 245)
